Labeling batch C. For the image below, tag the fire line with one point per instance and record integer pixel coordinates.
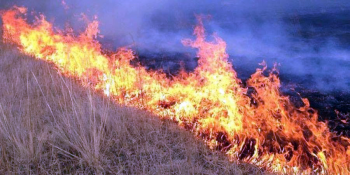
(261, 127)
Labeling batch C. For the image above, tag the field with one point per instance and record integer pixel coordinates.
(51, 125)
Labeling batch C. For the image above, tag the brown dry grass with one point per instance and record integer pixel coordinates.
(51, 125)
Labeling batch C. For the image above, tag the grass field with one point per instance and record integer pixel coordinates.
(51, 125)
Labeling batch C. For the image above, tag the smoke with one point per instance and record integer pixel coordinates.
(309, 38)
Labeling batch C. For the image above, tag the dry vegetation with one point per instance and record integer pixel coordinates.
(51, 125)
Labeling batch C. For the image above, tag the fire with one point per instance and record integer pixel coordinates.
(252, 123)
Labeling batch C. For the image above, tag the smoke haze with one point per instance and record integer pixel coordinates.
(309, 38)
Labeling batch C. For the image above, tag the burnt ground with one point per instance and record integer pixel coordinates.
(333, 106)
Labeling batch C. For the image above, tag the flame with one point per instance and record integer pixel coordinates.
(256, 125)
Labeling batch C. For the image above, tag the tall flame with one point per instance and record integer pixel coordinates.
(256, 124)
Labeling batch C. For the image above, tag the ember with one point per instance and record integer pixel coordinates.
(253, 122)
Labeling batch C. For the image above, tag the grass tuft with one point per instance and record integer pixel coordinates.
(51, 125)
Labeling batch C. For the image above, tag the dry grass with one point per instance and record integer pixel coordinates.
(51, 125)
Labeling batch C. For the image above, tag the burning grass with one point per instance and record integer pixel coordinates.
(252, 122)
(50, 125)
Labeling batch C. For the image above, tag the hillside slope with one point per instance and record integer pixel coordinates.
(51, 125)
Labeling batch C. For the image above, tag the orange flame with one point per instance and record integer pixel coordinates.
(261, 126)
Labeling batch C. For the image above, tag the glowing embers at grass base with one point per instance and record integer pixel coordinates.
(258, 125)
